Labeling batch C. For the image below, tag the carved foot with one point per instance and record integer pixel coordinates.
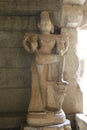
(62, 86)
(63, 82)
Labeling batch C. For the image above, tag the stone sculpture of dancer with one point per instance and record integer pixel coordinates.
(48, 85)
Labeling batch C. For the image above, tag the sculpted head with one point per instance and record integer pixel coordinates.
(45, 24)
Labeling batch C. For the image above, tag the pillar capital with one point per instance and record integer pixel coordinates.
(80, 2)
(71, 16)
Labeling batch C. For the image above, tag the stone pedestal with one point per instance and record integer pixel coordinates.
(64, 126)
(46, 118)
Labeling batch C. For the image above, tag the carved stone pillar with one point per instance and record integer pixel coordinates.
(71, 19)
(73, 97)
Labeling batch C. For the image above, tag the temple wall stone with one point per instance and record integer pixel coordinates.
(27, 7)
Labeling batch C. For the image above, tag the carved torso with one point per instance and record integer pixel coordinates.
(47, 42)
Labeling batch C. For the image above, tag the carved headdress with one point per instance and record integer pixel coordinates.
(44, 16)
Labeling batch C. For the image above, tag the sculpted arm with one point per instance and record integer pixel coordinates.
(26, 47)
(62, 44)
(32, 40)
(65, 44)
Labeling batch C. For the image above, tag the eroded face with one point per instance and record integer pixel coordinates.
(45, 26)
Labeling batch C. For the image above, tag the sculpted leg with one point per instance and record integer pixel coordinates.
(42, 83)
(61, 70)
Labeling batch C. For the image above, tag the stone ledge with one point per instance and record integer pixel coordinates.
(80, 2)
(81, 121)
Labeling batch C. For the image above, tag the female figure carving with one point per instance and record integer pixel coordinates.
(47, 66)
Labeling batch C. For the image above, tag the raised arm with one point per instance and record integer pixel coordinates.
(65, 43)
(30, 42)
(62, 44)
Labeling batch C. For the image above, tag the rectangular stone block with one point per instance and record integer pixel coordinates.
(15, 58)
(23, 7)
(14, 100)
(11, 39)
(12, 121)
(18, 23)
(15, 78)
